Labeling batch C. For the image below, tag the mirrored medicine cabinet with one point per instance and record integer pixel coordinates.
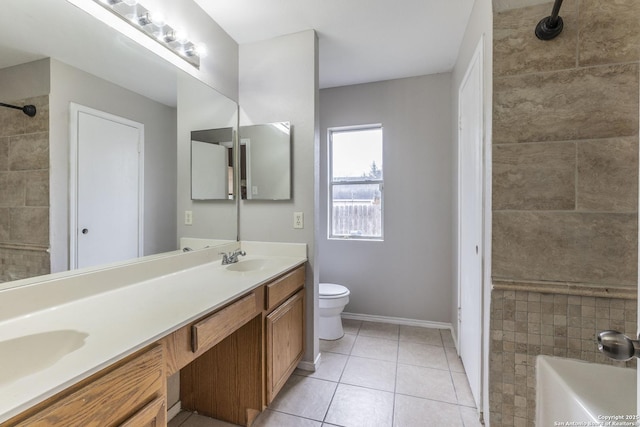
(265, 161)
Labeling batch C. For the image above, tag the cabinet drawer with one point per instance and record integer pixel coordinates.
(152, 415)
(284, 287)
(213, 329)
(111, 399)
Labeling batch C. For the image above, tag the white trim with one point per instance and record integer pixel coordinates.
(397, 321)
(310, 366)
(174, 410)
(74, 110)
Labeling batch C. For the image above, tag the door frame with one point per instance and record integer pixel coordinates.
(74, 111)
(484, 232)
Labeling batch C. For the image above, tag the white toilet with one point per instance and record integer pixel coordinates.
(332, 300)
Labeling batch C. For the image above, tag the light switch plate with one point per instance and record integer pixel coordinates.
(298, 220)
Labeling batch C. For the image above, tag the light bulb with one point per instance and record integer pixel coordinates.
(157, 19)
(181, 35)
(201, 50)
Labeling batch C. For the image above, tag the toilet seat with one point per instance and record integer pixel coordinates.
(332, 290)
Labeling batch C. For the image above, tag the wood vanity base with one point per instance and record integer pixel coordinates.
(226, 382)
(232, 363)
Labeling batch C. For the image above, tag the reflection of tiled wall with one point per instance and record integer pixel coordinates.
(565, 191)
(24, 190)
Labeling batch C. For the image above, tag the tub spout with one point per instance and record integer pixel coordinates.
(618, 346)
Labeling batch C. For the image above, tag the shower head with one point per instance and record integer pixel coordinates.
(549, 27)
(29, 110)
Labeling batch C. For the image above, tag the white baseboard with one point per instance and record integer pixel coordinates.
(174, 410)
(310, 366)
(398, 321)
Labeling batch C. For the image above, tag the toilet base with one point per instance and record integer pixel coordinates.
(330, 328)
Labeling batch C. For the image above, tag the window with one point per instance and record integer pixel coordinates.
(355, 183)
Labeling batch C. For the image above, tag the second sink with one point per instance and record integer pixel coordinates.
(247, 265)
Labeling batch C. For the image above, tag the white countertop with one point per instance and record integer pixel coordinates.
(65, 327)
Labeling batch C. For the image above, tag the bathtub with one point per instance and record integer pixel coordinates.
(573, 392)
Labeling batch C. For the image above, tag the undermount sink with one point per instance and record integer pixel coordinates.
(248, 265)
(25, 355)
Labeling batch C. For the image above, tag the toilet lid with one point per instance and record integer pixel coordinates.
(332, 290)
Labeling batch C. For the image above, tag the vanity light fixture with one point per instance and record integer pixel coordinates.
(154, 26)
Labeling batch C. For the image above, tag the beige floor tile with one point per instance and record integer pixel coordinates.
(356, 406)
(371, 373)
(412, 411)
(196, 420)
(470, 417)
(420, 335)
(305, 397)
(463, 391)
(330, 368)
(375, 348)
(351, 326)
(342, 345)
(179, 419)
(455, 363)
(379, 330)
(430, 356)
(277, 419)
(427, 383)
(447, 338)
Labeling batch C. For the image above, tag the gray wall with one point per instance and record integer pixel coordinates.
(200, 108)
(279, 82)
(480, 23)
(408, 275)
(69, 84)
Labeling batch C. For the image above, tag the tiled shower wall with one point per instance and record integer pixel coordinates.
(24, 190)
(565, 191)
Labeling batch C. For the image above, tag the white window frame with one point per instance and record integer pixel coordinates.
(331, 184)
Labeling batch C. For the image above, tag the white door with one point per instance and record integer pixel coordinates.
(106, 181)
(470, 225)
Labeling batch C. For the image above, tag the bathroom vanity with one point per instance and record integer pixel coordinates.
(101, 344)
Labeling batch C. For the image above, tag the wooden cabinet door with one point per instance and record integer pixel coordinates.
(285, 342)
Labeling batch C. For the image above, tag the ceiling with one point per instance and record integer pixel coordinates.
(360, 41)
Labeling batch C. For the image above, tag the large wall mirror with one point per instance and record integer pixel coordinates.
(265, 161)
(69, 56)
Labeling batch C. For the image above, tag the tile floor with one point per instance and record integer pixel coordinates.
(377, 375)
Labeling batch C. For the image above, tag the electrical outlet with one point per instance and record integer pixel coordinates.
(298, 220)
(188, 217)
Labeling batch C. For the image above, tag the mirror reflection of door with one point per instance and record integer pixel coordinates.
(106, 209)
(212, 164)
(265, 161)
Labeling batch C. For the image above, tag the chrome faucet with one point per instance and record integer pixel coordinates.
(232, 257)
